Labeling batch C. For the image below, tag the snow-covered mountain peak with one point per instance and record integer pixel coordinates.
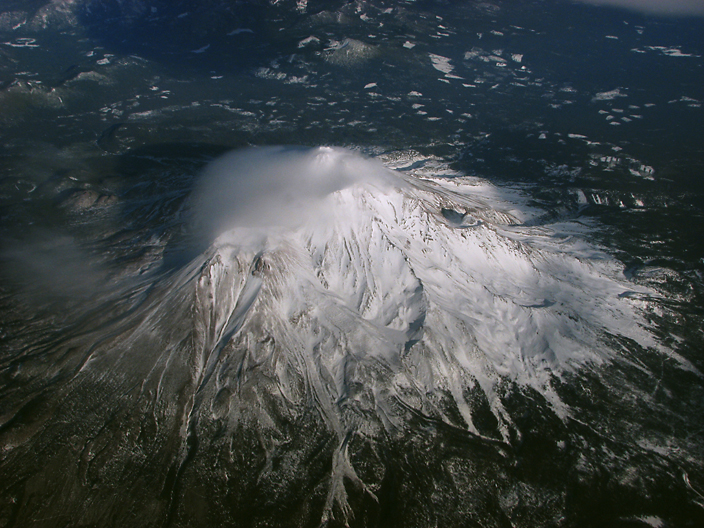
(399, 289)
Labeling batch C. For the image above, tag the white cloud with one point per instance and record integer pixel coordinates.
(275, 186)
(663, 7)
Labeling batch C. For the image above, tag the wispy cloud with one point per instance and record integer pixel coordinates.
(662, 7)
(275, 186)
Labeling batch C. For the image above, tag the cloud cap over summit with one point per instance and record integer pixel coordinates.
(661, 7)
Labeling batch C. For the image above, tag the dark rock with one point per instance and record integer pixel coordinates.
(84, 199)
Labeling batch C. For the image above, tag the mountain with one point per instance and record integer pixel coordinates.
(485, 310)
(339, 303)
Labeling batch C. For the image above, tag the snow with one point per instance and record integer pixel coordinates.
(441, 63)
(437, 280)
(370, 287)
(608, 96)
